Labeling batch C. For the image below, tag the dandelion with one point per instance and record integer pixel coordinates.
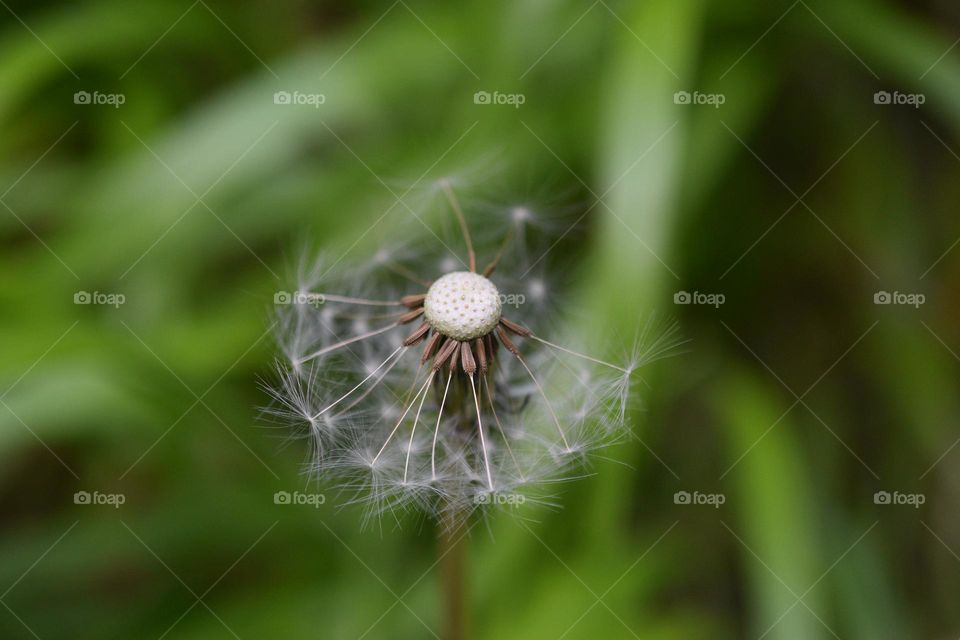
(434, 394)
(419, 388)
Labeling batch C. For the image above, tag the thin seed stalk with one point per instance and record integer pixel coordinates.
(452, 548)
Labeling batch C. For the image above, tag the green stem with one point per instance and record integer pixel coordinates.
(452, 550)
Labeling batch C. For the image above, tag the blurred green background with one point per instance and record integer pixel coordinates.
(800, 199)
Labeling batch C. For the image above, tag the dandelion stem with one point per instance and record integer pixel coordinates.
(436, 432)
(580, 355)
(343, 343)
(400, 421)
(452, 199)
(452, 556)
(416, 419)
(545, 399)
(483, 441)
(361, 383)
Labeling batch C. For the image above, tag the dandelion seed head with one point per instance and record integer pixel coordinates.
(419, 387)
(462, 305)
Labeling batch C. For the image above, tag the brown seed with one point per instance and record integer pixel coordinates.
(466, 356)
(413, 300)
(431, 347)
(491, 343)
(410, 316)
(518, 329)
(507, 342)
(454, 357)
(481, 352)
(448, 348)
(417, 335)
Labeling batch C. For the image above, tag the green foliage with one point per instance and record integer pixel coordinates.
(194, 198)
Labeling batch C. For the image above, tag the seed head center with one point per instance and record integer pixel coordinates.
(462, 305)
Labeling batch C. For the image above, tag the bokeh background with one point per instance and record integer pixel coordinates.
(808, 166)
